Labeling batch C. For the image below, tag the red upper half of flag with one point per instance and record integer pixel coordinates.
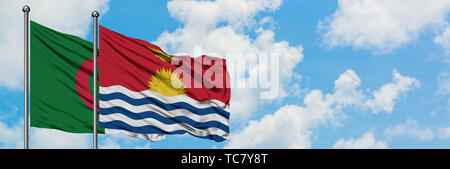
(132, 63)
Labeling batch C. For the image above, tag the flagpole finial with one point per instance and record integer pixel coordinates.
(26, 8)
(95, 14)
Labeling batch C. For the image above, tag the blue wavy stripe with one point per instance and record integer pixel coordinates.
(165, 106)
(162, 119)
(120, 125)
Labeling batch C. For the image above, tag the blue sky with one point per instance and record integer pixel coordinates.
(371, 77)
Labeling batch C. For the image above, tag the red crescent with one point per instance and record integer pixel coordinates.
(82, 82)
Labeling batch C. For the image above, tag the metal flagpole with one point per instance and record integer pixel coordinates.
(95, 15)
(26, 10)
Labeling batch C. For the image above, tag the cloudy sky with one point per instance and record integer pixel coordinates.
(354, 74)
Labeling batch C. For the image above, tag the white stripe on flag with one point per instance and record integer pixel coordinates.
(162, 126)
(164, 113)
(168, 100)
(152, 137)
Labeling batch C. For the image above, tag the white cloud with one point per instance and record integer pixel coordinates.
(345, 89)
(55, 139)
(286, 128)
(145, 146)
(222, 27)
(444, 83)
(444, 40)
(444, 132)
(206, 14)
(410, 129)
(382, 25)
(112, 141)
(122, 141)
(366, 141)
(291, 126)
(384, 98)
(11, 136)
(109, 143)
(70, 16)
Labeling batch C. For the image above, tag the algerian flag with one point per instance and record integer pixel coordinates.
(60, 81)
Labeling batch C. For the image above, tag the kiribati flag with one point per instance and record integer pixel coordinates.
(147, 93)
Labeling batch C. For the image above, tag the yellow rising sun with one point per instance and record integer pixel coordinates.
(167, 83)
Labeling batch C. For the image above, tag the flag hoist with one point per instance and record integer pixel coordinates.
(95, 16)
(26, 12)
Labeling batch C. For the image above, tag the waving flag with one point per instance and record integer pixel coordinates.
(145, 91)
(60, 81)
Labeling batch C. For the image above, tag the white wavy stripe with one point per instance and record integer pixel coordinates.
(165, 99)
(162, 126)
(152, 137)
(162, 112)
